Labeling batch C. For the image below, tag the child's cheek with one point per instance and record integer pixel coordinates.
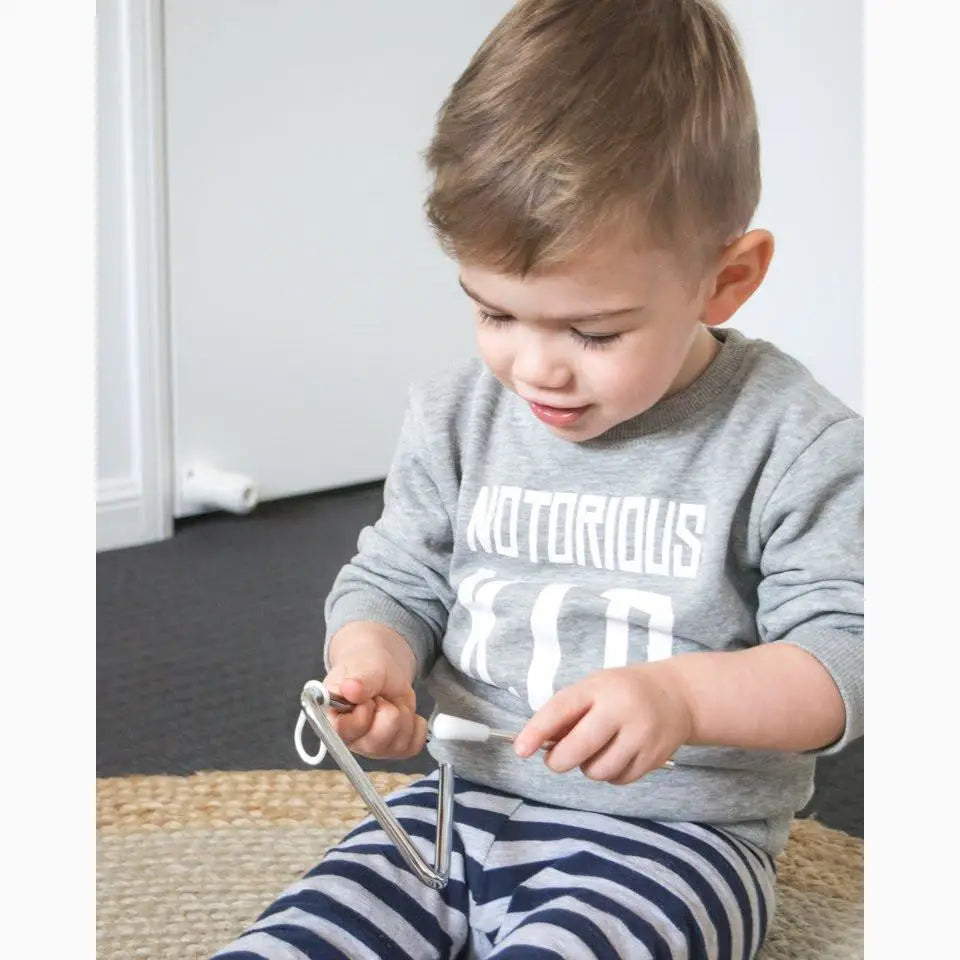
(495, 354)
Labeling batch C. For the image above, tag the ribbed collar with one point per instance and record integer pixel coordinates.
(705, 389)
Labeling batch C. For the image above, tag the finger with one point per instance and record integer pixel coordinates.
(553, 719)
(356, 680)
(409, 739)
(361, 684)
(634, 771)
(405, 699)
(393, 741)
(417, 738)
(588, 737)
(611, 761)
(383, 729)
(351, 726)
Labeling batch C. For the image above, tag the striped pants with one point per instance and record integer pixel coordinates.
(527, 881)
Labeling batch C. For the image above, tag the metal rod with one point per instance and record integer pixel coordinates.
(337, 703)
(315, 699)
(509, 737)
(345, 706)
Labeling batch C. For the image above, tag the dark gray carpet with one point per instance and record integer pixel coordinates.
(204, 642)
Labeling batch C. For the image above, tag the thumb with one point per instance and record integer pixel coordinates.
(356, 680)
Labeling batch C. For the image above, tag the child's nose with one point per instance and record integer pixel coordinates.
(540, 363)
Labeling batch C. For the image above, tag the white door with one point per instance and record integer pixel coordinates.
(306, 290)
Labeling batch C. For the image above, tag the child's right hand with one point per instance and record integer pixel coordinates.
(374, 673)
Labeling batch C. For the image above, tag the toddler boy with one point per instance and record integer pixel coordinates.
(623, 528)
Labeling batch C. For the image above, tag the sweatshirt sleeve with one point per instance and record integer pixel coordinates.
(399, 576)
(811, 592)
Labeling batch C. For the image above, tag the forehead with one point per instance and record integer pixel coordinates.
(611, 274)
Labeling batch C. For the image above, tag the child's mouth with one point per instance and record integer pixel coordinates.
(557, 416)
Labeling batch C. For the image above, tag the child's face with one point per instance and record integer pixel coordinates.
(595, 342)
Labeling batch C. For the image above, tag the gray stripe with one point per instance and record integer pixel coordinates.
(604, 824)
(639, 905)
(374, 911)
(693, 830)
(547, 936)
(550, 850)
(270, 948)
(452, 920)
(379, 838)
(612, 927)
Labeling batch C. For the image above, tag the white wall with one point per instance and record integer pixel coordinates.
(133, 460)
(805, 60)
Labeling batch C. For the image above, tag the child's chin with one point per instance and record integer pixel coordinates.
(580, 432)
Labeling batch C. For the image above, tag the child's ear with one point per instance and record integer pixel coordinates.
(743, 265)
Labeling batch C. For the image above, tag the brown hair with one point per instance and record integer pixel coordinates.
(576, 115)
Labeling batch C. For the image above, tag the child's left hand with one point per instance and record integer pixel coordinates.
(616, 725)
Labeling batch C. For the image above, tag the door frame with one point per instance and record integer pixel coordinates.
(138, 508)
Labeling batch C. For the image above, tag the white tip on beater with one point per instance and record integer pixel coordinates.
(447, 727)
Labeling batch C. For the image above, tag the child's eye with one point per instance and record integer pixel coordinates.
(496, 319)
(588, 341)
(596, 341)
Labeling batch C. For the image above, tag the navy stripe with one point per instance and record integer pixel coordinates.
(763, 858)
(762, 917)
(466, 952)
(473, 870)
(500, 882)
(346, 918)
(487, 820)
(460, 785)
(238, 955)
(430, 778)
(305, 941)
(748, 863)
(529, 899)
(393, 896)
(722, 865)
(455, 891)
(673, 906)
(527, 952)
(579, 926)
(489, 885)
(754, 857)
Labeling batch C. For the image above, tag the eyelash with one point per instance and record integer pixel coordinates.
(586, 341)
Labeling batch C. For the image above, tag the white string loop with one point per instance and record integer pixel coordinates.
(313, 760)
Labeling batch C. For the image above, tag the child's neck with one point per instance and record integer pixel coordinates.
(704, 348)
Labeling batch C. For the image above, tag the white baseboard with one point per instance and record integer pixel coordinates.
(123, 517)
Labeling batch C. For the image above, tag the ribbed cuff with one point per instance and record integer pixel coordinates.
(841, 653)
(379, 608)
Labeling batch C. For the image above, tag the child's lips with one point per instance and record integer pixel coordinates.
(557, 416)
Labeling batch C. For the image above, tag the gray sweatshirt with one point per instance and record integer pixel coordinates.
(516, 563)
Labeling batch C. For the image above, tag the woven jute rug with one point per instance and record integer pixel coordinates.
(185, 864)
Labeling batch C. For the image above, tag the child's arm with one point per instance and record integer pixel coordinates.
(398, 577)
(801, 689)
(388, 607)
(773, 697)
